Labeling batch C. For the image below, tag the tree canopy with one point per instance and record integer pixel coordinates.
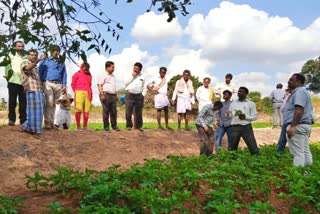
(32, 21)
(311, 69)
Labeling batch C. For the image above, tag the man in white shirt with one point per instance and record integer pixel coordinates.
(204, 93)
(161, 102)
(136, 88)
(227, 85)
(242, 113)
(277, 97)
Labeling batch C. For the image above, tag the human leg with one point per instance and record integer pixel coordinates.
(250, 140)
(129, 109)
(282, 139)
(204, 140)
(229, 135)
(219, 136)
(235, 136)
(159, 118)
(12, 102)
(22, 104)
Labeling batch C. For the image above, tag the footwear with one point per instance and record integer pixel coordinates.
(141, 129)
(11, 123)
(179, 129)
(129, 128)
(169, 128)
(106, 129)
(86, 129)
(161, 128)
(116, 129)
(187, 129)
(79, 129)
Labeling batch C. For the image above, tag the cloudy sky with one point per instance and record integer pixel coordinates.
(261, 42)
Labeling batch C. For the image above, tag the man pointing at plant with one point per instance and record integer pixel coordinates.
(242, 111)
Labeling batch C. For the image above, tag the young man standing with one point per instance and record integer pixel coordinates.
(227, 85)
(205, 93)
(242, 112)
(15, 89)
(35, 96)
(108, 96)
(297, 116)
(161, 102)
(224, 122)
(184, 94)
(136, 88)
(204, 123)
(53, 74)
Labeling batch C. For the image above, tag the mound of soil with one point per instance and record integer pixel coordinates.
(23, 154)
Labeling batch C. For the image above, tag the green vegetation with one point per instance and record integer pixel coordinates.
(9, 205)
(223, 183)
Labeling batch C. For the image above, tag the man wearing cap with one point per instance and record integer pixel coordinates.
(277, 96)
(53, 75)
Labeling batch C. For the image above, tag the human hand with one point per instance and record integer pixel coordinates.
(290, 131)
(43, 57)
(242, 116)
(64, 90)
(206, 128)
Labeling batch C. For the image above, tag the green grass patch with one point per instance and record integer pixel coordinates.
(225, 183)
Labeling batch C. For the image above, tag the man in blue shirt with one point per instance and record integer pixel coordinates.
(297, 116)
(53, 75)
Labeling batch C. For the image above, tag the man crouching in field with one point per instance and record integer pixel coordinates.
(204, 123)
(35, 96)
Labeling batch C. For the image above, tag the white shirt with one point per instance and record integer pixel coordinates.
(247, 107)
(109, 84)
(136, 85)
(185, 94)
(164, 87)
(219, 89)
(203, 96)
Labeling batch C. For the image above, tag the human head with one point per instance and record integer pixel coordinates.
(279, 86)
(217, 105)
(296, 80)
(227, 95)
(32, 55)
(206, 82)
(137, 67)
(243, 93)
(228, 78)
(109, 66)
(86, 67)
(186, 75)
(162, 71)
(54, 51)
(19, 47)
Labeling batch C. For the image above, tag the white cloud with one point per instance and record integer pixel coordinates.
(150, 27)
(254, 81)
(240, 32)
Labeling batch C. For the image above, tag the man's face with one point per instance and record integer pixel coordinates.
(55, 54)
(206, 83)
(32, 56)
(136, 69)
(293, 82)
(216, 108)
(186, 76)
(19, 46)
(242, 94)
(162, 74)
(226, 96)
(110, 69)
(228, 80)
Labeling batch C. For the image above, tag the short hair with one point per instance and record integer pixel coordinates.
(163, 69)
(229, 75)
(108, 64)
(32, 51)
(85, 64)
(218, 104)
(187, 72)
(279, 85)
(246, 90)
(139, 65)
(54, 48)
(206, 78)
(16, 42)
(300, 77)
(227, 92)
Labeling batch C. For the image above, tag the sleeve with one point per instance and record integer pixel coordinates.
(174, 95)
(301, 98)
(144, 87)
(253, 113)
(42, 70)
(198, 94)
(202, 115)
(74, 81)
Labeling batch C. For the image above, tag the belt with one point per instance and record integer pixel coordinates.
(133, 93)
(109, 93)
(238, 125)
(306, 123)
(54, 81)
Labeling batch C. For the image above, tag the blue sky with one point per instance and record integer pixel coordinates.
(261, 42)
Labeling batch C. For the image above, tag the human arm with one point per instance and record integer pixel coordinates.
(298, 112)
(28, 67)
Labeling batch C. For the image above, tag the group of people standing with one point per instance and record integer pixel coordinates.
(39, 89)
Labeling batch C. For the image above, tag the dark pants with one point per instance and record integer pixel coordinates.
(109, 106)
(134, 102)
(206, 140)
(17, 91)
(246, 132)
(283, 138)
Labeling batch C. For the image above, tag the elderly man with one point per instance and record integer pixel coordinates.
(297, 116)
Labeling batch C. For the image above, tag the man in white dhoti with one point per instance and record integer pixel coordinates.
(184, 94)
(161, 102)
